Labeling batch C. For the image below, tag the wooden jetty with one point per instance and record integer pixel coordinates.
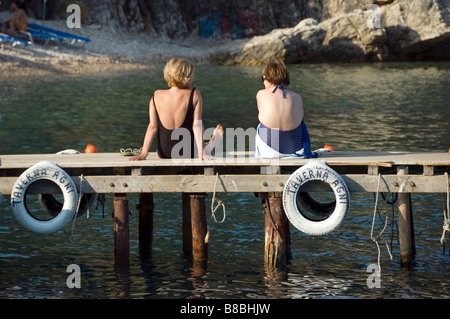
(404, 173)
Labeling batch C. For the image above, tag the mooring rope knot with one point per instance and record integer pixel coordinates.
(219, 203)
(446, 228)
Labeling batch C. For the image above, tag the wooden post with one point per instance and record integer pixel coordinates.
(187, 224)
(405, 224)
(277, 242)
(146, 208)
(277, 238)
(123, 281)
(121, 230)
(199, 227)
(199, 268)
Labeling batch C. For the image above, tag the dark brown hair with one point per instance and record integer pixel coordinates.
(276, 72)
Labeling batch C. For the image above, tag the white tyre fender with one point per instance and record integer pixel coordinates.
(53, 207)
(314, 206)
(49, 171)
(316, 170)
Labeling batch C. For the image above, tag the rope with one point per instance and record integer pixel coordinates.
(219, 203)
(373, 222)
(80, 195)
(446, 226)
(375, 239)
(394, 199)
(101, 200)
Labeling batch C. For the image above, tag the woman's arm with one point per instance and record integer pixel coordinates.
(150, 134)
(197, 126)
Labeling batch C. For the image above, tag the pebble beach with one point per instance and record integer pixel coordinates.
(109, 50)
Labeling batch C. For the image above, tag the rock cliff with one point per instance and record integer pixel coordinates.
(399, 30)
(248, 32)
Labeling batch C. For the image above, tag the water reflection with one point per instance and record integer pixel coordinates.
(124, 282)
(380, 107)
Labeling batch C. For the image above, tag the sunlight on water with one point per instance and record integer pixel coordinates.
(379, 107)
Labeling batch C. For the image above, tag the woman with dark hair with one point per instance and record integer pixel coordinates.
(281, 131)
(19, 20)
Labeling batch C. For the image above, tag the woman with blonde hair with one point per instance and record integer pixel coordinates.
(175, 116)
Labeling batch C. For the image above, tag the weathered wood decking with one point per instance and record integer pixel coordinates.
(103, 173)
(239, 172)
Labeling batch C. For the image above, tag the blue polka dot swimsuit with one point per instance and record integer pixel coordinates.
(285, 142)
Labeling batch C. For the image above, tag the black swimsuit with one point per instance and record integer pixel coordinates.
(168, 139)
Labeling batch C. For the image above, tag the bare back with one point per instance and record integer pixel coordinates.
(20, 19)
(172, 105)
(278, 112)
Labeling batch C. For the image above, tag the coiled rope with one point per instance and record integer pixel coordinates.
(375, 238)
(446, 226)
(219, 204)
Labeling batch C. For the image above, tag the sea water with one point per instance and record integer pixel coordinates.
(352, 107)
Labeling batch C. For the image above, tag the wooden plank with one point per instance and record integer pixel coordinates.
(114, 160)
(233, 183)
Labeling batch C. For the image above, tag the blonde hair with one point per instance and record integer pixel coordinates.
(276, 72)
(179, 73)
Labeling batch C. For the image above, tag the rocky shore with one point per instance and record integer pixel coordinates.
(406, 31)
(108, 51)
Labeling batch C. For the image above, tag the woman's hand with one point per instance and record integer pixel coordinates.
(207, 157)
(139, 157)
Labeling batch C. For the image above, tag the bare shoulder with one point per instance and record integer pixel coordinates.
(197, 96)
(261, 93)
(197, 100)
(158, 91)
(295, 95)
(161, 92)
(159, 96)
(197, 92)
